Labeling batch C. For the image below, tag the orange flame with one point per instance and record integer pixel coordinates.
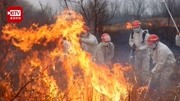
(142, 89)
(150, 24)
(128, 25)
(84, 79)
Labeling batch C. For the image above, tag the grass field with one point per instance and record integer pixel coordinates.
(150, 23)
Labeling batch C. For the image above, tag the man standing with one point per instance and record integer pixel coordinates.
(105, 50)
(137, 41)
(178, 40)
(164, 61)
(88, 41)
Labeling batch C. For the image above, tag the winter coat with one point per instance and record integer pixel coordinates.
(163, 57)
(89, 44)
(178, 40)
(137, 39)
(104, 54)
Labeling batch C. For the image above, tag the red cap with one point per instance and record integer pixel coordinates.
(86, 28)
(105, 37)
(152, 39)
(136, 24)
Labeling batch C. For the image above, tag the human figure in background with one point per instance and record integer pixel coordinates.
(164, 61)
(178, 39)
(137, 42)
(88, 41)
(105, 50)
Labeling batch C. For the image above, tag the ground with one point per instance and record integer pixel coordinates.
(122, 52)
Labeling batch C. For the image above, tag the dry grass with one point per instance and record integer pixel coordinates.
(149, 23)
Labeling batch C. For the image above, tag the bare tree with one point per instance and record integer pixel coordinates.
(155, 9)
(47, 14)
(133, 9)
(96, 12)
(44, 15)
(168, 36)
(159, 10)
(138, 8)
(124, 12)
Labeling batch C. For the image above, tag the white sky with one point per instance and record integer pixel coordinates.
(52, 3)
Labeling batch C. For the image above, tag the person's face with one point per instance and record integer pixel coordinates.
(137, 30)
(153, 46)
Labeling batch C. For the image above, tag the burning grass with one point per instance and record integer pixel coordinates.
(56, 75)
(146, 23)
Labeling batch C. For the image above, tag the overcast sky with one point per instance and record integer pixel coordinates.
(54, 4)
(51, 3)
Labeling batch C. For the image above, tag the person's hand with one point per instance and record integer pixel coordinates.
(134, 47)
(138, 49)
(178, 33)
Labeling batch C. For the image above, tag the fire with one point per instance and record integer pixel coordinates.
(150, 24)
(142, 89)
(128, 25)
(54, 74)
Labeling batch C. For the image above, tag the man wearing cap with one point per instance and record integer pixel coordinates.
(105, 50)
(88, 41)
(178, 40)
(137, 41)
(164, 61)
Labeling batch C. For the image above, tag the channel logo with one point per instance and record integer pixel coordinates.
(14, 14)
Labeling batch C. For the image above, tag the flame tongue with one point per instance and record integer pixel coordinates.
(129, 25)
(41, 64)
(26, 38)
(111, 84)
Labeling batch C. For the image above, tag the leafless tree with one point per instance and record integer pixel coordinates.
(138, 8)
(124, 12)
(46, 12)
(96, 12)
(158, 10)
(133, 9)
(171, 4)
(155, 8)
